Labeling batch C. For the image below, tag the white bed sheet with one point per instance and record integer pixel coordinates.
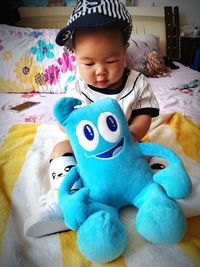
(41, 113)
(170, 101)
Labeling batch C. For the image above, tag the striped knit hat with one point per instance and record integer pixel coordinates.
(95, 13)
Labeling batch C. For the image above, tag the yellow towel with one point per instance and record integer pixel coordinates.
(12, 156)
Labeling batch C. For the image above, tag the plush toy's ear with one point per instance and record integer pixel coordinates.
(63, 108)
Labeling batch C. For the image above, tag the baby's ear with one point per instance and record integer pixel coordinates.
(64, 107)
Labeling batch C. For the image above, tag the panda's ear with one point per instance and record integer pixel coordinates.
(64, 107)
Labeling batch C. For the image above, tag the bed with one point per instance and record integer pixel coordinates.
(27, 138)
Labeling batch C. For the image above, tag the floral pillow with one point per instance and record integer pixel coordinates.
(143, 55)
(31, 61)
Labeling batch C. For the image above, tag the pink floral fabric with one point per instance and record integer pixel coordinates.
(31, 61)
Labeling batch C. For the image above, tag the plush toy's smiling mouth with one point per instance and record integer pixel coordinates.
(111, 152)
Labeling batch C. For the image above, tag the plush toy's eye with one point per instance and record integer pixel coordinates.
(87, 135)
(109, 126)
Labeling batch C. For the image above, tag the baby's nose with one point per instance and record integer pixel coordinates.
(101, 70)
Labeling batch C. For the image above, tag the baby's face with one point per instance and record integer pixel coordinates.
(101, 57)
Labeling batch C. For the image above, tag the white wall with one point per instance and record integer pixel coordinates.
(189, 10)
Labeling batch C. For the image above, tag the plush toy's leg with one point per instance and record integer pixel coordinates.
(159, 220)
(101, 238)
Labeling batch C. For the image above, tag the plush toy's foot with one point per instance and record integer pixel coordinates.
(101, 238)
(48, 220)
(160, 220)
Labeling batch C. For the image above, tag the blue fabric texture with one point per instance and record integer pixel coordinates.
(115, 173)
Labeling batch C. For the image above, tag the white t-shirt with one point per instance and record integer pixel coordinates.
(135, 98)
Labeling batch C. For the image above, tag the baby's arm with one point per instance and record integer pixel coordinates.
(140, 126)
(61, 127)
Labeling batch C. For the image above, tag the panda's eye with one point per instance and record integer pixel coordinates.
(68, 168)
(109, 126)
(87, 135)
(157, 166)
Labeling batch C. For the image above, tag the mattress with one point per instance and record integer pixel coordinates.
(41, 113)
(178, 93)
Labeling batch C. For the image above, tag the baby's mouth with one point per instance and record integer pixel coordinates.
(111, 152)
(102, 82)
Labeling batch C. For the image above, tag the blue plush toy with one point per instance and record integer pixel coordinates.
(115, 174)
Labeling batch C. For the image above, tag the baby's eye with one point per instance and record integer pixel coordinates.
(112, 61)
(88, 64)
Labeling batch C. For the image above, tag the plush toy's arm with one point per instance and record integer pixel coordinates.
(74, 205)
(174, 177)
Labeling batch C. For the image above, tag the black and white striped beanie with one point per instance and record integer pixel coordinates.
(95, 13)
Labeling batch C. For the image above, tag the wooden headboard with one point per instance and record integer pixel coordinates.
(145, 19)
